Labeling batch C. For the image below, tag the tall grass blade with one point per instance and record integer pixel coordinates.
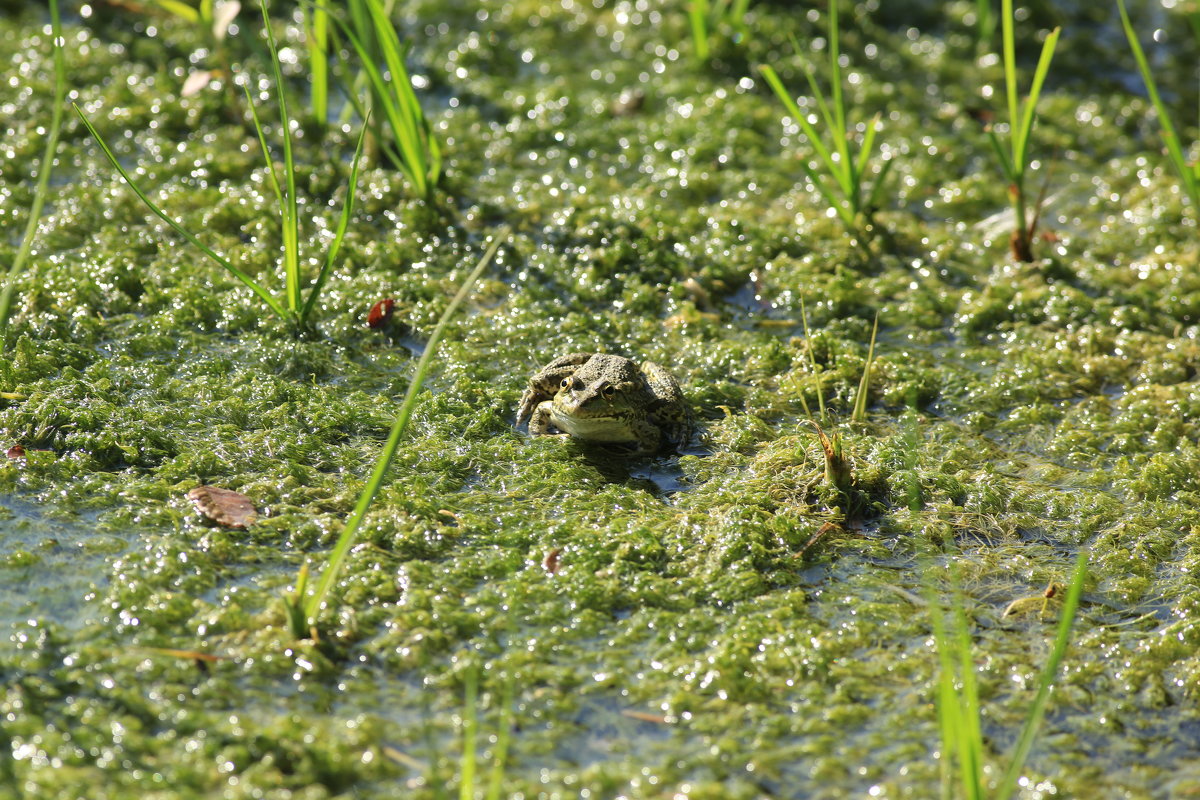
(288, 205)
(698, 17)
(1021, 138)
(1047, 680)
(812, 362)
(340, 232)
(466, 768)
(42, 189)
(1189, 174)
(859, 413)
(317, 33)
(312, 605)
(503, 732)
(253, 285)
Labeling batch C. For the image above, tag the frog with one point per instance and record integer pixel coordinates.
(608, 399)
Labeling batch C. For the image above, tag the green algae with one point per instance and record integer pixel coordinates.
(1020, 413)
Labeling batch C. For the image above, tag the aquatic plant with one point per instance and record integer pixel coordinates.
(1189, 171)
(302, 607)
(294, 309)
(316, 38)
(469, 759)
(962, 752)
(705, 17)
(859, 412)
(212, 19)
(842, 183)
(400, 125)
(43, 184)
(1015, 162)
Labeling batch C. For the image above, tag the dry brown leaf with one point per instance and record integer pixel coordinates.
(223, 506)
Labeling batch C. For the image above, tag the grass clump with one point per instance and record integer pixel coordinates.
(39, 196)
(842, 176)
(1189, 171)
(400, 127)
(963, 754)
(1014, 161)
(294, 309)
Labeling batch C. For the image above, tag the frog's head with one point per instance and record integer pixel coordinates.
(606, 387)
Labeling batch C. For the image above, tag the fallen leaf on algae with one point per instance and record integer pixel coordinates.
(224, 507)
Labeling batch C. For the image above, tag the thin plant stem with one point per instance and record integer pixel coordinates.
(1189, 173)
(42, 189)
(314, 602)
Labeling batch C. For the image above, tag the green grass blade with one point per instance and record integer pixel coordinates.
(812, 361)
(841, 138)
(970, 735)
(698, 17)
(272, 175)
(466, 768)
(1005, 162)
(413, 133)
(47, 164)
(350, 533)
(181, 10)
(810, 132)
(1009, 57)
(836, 167)
(1187, 173)
(262, 293)
(868, 145)
(288, 211)
(1046, 682)
(1021, 135)
(343, 223)
(873, 198)
(859, 414)
(317, 31)
(503, 733)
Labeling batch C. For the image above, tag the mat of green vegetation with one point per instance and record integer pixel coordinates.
(664, 626)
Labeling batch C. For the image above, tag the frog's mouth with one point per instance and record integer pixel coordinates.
(594, 428)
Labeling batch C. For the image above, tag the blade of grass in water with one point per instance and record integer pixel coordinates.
(1189, 174)
(39, 196)
(317, 33)
(340, 233)
(496, 777)
(698, 18)
(859, 413)
(287, 202)
(416, 151)
(312, 605)
(1015, 163)
(466, 768)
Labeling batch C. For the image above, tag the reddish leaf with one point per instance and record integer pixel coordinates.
(224, 507)
(551, 562)
(15, 452)
(380, 314)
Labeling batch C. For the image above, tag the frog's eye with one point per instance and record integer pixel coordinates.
(565, 383)
(609, 391)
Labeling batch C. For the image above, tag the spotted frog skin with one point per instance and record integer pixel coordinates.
(607, 399)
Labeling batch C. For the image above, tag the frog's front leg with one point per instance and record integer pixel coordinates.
(539, 420)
